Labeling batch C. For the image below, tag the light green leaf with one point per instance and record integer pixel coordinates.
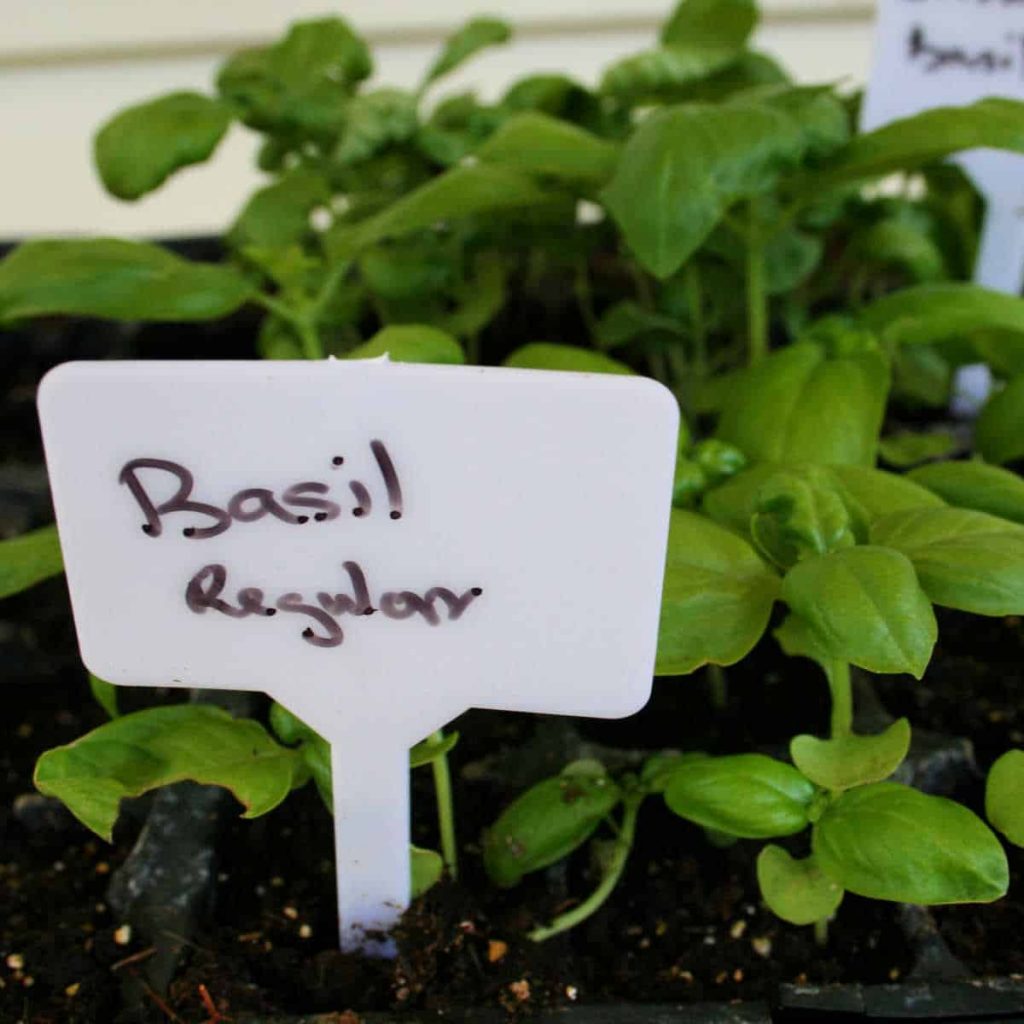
(686, 165)
(1004, 796)
(546, 823)
(910, 448)
(890, 842)
(908, 143)
(798, 891)
(140, 148)
(28, 560)
(975, 485)
(142, 751)
(432, 748)
(105, 694)
(116, 280)
(964, 559)
(800, 405)
(849, 761)
(541, 355)
(873, 493)
(462, 192)
(999, 431)
(411, 343)
(474, 36)
(711, 22)
(537, 143)
(427, 868)
(931, 313)
(745, 795)
(278, 215)
(798, 639)
(717, 598)
(866, 607)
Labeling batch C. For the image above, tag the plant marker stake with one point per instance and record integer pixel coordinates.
(934, 53)
(378, 546)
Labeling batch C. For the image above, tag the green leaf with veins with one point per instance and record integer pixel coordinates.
(964, 559)
(890, 842)
(711, 22)
(717, 597)
(976, 485)
(848, 761)
(865, 606)
(278, 216)
(797, 891)
(373, 122)
(910, 448)
(138, 149)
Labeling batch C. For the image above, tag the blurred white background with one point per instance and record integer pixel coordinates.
(66, 65)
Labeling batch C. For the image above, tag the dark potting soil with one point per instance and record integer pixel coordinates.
(684, 925)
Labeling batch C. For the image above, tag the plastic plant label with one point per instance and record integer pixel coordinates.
(379, 546)
(935, 53)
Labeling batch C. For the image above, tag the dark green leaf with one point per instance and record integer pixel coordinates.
(546, 823)
(651, 74)
(627, 321)
(890, 842)
(999, 431)
(116, 280)
(964, 559)
(474, 36)
(685, 166)
(717, 598)
(411, 343)
(800, 405)
(540, 355)
(1004, 796)
(745, 795)
(374, 121)
(975, 485)
(278, 215)
(140, 148)
(28, 560)
(537, 143)
(142, 751)
(848, 761)
(798, 891)
(910, 142)
(866, 607)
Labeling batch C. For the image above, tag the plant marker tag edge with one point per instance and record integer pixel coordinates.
(379, 546)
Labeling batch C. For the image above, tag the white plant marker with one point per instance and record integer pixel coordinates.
(934, 53)
(378, 546)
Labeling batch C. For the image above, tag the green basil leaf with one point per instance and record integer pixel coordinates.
(142, 751)
(457, 194)
(374, 121)
(140, 148)
(105, 694)
(931, 313)
(653, 74)
(866, 607)
(479, 297)
(427, 868)
(1004, 796)
(798, 639)
(474, 36)
(873, 493)
(432, 748)
(975, 485)
(849, 761)
(278, 216)
(685, 166)
(745, 795)
(800, 405)
(964, 559)
(546, 823)
(411, 343)
(542, 355)
(708, 22)
(537, 143)
(798, 891)
(301, 83)
(717, 598)
(910, 448)
(999, 431)
(116, 280)
(658, 769)
(890, 842)
(28, 560)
